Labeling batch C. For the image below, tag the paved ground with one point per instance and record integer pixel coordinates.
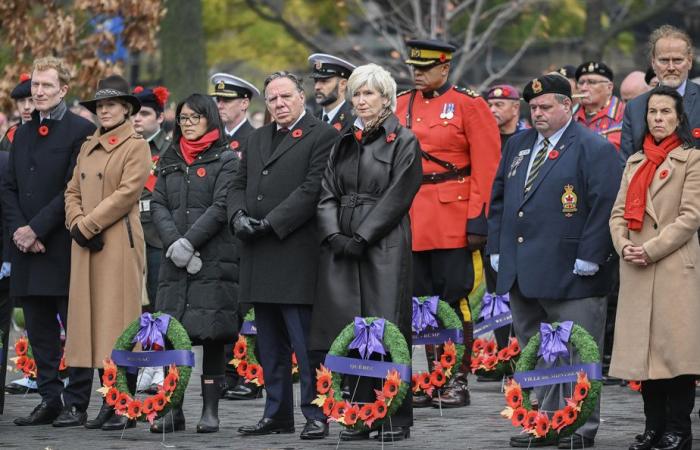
(477, 427)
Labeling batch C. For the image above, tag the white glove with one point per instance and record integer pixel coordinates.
(585, 268)
(494, 261)
(180, 252)
(195, 264)
(5, 270)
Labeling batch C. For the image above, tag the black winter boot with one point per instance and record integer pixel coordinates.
(211, 392)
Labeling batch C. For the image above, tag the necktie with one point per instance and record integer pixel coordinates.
(326, 118)
(537, 165)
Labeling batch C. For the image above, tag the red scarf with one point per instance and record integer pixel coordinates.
(637, 191)
(190, 149)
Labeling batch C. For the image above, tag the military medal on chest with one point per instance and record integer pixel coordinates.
(448, 111)
(517, 161)
(569, 200)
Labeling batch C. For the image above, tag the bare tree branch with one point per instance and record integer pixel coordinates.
(418, 17)
(514, 60)
(289, 28)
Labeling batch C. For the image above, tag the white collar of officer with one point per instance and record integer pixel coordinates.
(332, 113)
(153, 136)
(303, 113)
(236, 128)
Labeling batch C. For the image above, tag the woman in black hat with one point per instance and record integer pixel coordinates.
(107, 253)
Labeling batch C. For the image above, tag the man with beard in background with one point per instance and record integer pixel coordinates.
(330, 76)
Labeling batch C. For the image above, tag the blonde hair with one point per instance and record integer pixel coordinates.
(51, 62)
(374, 77)
(669, 31)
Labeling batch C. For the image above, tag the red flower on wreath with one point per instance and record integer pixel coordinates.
(490, 348)
(415, 382)
(240, 350)
(503, 354)
(541, 425)
(122, 402)
(491, 362)
(351, 415)
(558, 421)
(366, 412)
(391, 137)
(570, 415)
(22, 362)
(380, 409)
(514, 397)
(253, 371)
(328, 405)
(159, 401)
(514, 347)
(437, 378)
(148, 405)
(109, 377)
(580, 392)
(170, 382)
(30, 367)
(338, 409)
(323, 383)
(447, 360)
(530, 420)
(113, 140)
(242, 368)
(635, 385)
(297, 133)
(112, 396)
(424, 381)
(518, 417)
(21, 346)
(391, 388)
(133, 410)
(43, 130)
(477, 346)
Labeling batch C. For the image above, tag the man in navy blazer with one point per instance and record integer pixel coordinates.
(671, 55)
(548, 230)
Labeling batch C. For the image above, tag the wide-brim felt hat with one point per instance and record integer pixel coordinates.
(112, 87)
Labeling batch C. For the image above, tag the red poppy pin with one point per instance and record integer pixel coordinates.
(43, 130)
(297, 133)
(234, 145)
(553, 154)
(112, 140)
(663, 174)
(391, 137)
(201, 172)
(337, 126)
(358, 135)
(696, 132)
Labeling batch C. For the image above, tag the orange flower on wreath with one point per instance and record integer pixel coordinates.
(253, 371)
(112, 396)
(380, 409)
(21, 362)
(558, 421)
(477, 346)
(519, 416)
(323, 383)
(437, 378)
(159, 401)
(133, 409)
(580, 392)
(122, 402)
(514, 397)
(338, 409)
(513, 347)
(541, 425)
(328, 405)
(447, 360)
(351, 415)
(109, 377)
(21, 346)
(491, 362)
(242, 368)
(490, 347)
(148, 405)
(30, 367)
(391, 388)
(530, 420)
(570, 415)
(476, 363)
(503, 354)
(170, 382)
(240, 349)
(366, 412)
(424, 380)
(415, 382)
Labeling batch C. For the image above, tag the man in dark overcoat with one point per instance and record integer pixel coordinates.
(272, 209)
(548, 237)
(41, 163)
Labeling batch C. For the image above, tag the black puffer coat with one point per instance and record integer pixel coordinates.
(190, 202)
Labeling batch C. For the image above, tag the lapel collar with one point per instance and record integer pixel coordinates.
(690, 97)
(667, 168)
(565, 142)
(113, 138)
(295, 135)
(384, 150)
(521, 170)
(263, 151)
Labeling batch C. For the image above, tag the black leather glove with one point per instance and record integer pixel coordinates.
(262, 228)
(475, 242)
(337, 243)
(94, 245)
(243, 226)
(355, 247)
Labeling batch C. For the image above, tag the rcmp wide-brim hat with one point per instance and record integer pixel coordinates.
(112, 87)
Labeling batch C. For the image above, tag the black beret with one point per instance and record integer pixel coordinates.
(649, 75)
(23, 89)
(547, 84)
(568, 71)
(592, 67)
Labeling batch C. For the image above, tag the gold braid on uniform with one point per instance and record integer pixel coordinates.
(466, 91)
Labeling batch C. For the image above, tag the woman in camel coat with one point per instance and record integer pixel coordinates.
(654, 227)
(107, 253)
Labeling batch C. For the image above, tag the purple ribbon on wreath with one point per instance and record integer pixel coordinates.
(368, 337)
(151, 330)
(494, 305)
(553, 342)
(424, 313)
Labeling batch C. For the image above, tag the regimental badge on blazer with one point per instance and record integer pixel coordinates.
(569, 200)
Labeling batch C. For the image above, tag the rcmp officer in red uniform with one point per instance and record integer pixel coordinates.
(22, 95)
(233, 96)
(600, 111)
(330, 75)
(460, 146)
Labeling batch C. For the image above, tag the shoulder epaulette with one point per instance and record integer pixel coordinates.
(466, 91)
(408, 91)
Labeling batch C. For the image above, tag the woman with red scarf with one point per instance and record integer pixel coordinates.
(197, 284)
(653, 226)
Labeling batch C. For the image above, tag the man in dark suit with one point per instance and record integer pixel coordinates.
(548, 229)
(671, 55)
(330, 75)
(233, 96)
(41, 162)
(272, 210)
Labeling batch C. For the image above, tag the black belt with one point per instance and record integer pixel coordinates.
(353, 200)
(435, 178)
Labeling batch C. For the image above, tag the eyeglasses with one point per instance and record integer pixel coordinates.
(193, 119)
(591, 82)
